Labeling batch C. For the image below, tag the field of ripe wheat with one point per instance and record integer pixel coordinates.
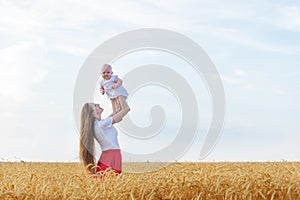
(269, 180)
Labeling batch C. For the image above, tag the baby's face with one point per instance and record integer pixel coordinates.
(106, 73)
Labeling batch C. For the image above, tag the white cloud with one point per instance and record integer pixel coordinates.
(245, 24)
(231, 80)
(78, 15)
(287, 17)
(21, 67)
(40, 17)
(239, 78)
(71, 50)
(240, 72)
(20, 20)
(242, 38)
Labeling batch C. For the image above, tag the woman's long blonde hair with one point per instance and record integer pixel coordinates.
(87, 133)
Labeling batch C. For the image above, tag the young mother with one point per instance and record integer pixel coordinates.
(93, 126)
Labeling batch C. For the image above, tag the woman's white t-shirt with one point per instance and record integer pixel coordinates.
(106, 134)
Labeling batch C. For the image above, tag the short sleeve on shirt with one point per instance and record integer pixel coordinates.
(106, 123)
(114, 77)
(100, 83)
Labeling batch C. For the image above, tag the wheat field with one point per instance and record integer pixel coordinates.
(222, 180)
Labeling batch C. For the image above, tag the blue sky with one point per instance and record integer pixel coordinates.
(255, 46)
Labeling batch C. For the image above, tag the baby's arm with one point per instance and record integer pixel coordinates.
(102, 91)
(118, 82)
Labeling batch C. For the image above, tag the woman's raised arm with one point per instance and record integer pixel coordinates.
(119, 115)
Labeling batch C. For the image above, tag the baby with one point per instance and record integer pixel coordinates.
(112, 86)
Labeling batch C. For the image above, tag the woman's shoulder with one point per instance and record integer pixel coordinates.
(107, 122)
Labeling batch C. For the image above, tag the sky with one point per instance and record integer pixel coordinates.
(255, 46)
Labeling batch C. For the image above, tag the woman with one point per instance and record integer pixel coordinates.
(93, 126)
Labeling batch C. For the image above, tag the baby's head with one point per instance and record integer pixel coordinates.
(106, 71)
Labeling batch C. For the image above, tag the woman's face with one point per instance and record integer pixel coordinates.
(97, 111)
